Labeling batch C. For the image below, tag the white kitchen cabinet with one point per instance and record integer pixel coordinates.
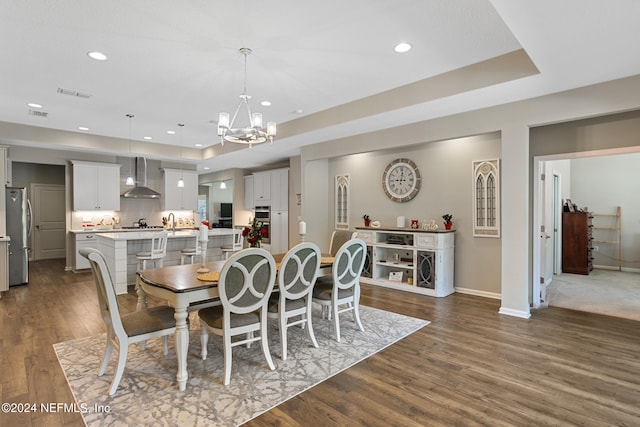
(279, 232)
(96, 186)
(83, 240)
(179, 198)
(5, 176)
(421, 261)
(262, 188)
(248, 192)
(4, 264)
(280, 190)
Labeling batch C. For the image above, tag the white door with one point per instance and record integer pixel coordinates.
(48, 204)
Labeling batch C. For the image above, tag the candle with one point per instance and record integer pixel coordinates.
(302, 227)
(203, 234)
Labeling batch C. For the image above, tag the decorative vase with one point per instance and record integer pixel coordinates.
(255, 245)
(367, 222)
(448, 225)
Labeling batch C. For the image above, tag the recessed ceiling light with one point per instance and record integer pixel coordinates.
(34, 105)
(206, 168)
(266, 103)
(83, 128)
(298, 111)
(147, 138)
(98, 56)
(171, 132)
(402, 47)
(198, 145)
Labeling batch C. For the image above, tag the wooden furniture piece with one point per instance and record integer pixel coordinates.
(179, 285)
(339, 238)
(123, 330)
(344, 290)
(577, 256)
(245, 285)
(157, 252)
(297, 276)
(421, 261)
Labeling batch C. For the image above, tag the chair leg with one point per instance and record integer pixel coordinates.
(336, 321)
(107, 355)
(265, 343)
(309, 325)
(356, 315)
(227, 359)
(204, 339)
(122, 360)
(283, 334)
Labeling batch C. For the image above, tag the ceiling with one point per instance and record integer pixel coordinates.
(179, 62)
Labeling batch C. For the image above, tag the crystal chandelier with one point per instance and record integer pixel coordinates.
(253, 132)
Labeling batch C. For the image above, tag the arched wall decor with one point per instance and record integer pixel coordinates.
(486, 200)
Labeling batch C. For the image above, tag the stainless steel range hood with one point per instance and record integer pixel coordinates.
(141, 191)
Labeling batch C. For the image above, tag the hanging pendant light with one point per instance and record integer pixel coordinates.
(223, 185)
(181, 180)
(253, 132)
(130, 181)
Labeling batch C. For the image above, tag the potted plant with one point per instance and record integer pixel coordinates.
(254, 233)
(447, 221)
(367, 220)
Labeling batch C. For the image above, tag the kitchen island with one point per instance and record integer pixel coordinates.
(120, 249)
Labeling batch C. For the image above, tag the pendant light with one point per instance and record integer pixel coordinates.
(181, 180)
(130, 181)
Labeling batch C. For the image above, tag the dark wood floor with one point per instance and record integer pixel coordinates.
(470, 366)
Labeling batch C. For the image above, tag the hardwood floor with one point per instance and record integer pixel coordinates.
(470, 366)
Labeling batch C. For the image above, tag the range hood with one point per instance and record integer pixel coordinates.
(141, 191)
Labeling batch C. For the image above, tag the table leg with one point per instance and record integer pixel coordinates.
(142, 298)
(182, 346)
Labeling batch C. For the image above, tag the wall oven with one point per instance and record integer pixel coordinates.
(263, 214)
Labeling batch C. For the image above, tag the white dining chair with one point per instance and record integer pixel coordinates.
(157, 252)
(125, 329)
(245, 284)
(343, 293)
(291, 305)
(339, 238)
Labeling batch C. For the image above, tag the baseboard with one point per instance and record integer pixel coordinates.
(610, 268)
(476, 292)
(515, 313)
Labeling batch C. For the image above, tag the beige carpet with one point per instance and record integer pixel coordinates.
(148, 395)
(613, 293)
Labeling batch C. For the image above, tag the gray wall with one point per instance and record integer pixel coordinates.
(447, 187)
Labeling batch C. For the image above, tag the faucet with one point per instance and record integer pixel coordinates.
(173, 223)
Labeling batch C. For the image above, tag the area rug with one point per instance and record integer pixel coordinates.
(148, 393)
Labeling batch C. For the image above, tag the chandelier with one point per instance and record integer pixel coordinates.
(253, 132)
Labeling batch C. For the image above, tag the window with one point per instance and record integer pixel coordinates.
(342, 201)
(486, 201)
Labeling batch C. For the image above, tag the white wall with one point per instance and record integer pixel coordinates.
(602, 184)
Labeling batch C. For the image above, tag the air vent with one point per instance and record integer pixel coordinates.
(75, 93)
(38, 113)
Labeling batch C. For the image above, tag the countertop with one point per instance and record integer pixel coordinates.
(148, 234)
(405, 230)
(5, 238)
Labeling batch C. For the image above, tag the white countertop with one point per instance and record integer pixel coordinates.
(5, 238)
(148, 234)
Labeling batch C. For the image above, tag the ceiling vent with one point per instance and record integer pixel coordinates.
(75, 93)
(38, 113)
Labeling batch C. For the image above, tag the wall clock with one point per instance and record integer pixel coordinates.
(401, 180)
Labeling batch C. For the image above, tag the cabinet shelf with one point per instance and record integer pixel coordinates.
(609, 230)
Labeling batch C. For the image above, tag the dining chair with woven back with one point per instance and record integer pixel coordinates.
(245, 284)
(125, 329)
(291, 305)
(342, 294)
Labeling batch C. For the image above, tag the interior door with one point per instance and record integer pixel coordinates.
(48, 236)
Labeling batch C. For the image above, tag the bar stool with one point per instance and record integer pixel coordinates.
(157, 253)
(190, 253)
(235, 245)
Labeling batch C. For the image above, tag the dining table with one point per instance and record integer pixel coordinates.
(186, 289)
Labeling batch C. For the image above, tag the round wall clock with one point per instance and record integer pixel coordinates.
(401, 180)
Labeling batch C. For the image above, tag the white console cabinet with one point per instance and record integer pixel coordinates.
(410, 260)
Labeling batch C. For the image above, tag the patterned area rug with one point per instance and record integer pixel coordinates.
(148, 393)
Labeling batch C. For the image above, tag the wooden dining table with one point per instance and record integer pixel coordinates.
(180, 286)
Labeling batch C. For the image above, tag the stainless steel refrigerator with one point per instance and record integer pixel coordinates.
(19, 222)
